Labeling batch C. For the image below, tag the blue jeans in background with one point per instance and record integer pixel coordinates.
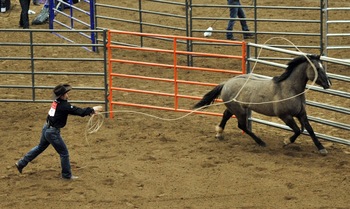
(234, 12)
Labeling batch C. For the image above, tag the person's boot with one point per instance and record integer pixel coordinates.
(248, 35)
(72, 178)
(19, 168)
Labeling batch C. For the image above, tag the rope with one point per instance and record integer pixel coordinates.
(96, 120)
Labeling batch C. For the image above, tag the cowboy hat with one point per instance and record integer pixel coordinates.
(61, 89)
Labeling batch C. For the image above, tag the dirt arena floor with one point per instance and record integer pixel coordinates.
(135, 161)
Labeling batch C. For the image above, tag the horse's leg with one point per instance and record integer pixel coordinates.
(305, 122)
(289, 121)
(220, 128)
(243, 124)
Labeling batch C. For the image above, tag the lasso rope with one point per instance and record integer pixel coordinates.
(96, 120)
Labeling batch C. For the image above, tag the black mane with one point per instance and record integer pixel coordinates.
(291, 65)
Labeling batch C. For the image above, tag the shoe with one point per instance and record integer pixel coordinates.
(248, 35)
(71, 178)
(36, 3)
(19, 168)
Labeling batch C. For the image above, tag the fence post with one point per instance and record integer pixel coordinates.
(248, 70)
(105, 71)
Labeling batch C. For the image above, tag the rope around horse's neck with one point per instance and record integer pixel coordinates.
(280, 100)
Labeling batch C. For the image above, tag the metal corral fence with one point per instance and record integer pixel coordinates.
(335, 104)
(37, 67)
(321, 29)
(67, 15)
(34, 61)
(31, 67)
(336, 39)
(288, 19)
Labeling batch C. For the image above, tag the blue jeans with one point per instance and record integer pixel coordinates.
(234, 12)
(50, 136)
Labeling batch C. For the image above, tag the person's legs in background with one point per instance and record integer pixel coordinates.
(244, 25)
(233, 14)
(24, 18)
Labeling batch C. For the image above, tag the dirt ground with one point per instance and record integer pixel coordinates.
(135, 161)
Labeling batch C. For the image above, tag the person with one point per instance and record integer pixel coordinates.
(234, 12)
(50, 134)
(24, 19)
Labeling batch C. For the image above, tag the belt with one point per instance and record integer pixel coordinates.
(50, 126)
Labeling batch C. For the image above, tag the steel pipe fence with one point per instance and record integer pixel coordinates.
(40, 71)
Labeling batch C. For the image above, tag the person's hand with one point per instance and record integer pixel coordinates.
(97, 109)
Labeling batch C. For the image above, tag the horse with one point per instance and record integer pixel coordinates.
(281, 96)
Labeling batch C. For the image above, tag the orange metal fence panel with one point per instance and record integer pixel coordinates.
(175, 52)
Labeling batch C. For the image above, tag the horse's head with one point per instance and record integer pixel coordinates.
(322, 78)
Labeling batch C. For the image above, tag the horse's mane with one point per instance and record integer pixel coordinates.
(291, 66)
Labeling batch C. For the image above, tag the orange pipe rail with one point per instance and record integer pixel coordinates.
(174, 66)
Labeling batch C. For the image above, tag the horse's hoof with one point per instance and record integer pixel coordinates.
(323, 151)
(218, 129)
(219, 133)
(286, 142)
(262, 144)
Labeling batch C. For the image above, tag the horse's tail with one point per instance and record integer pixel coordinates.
(210, 97)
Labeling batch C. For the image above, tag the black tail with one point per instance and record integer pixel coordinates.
(209, 97)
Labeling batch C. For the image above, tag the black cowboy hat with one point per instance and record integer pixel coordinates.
(61, 89)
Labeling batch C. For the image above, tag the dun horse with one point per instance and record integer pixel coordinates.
(281, 96)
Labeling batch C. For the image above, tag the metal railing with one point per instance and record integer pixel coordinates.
(32, 65)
